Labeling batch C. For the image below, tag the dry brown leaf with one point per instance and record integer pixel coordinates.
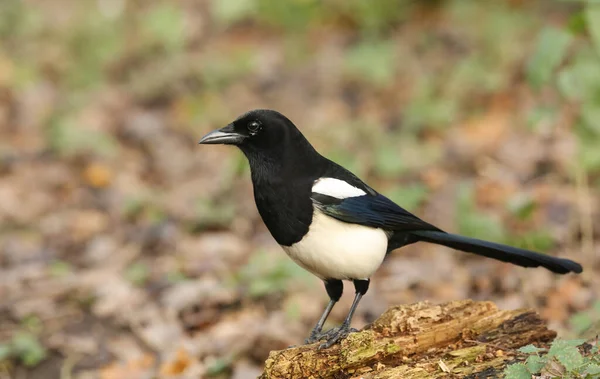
(98, 175)
(178, 365)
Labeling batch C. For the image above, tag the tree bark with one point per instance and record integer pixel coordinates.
(457, 339)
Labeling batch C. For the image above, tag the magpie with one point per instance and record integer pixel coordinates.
(333, 224)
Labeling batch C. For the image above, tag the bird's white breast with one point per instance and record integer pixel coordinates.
(334, 249)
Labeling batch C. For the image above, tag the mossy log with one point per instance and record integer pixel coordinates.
(457, 339)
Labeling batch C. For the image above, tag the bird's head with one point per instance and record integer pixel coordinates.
(259, 129)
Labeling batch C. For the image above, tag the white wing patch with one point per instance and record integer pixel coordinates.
(336, 188)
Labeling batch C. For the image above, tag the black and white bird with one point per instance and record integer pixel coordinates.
(333, 224)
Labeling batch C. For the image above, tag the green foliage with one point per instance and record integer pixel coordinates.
(264, 275)
(164, 27)
(210, 213)
(17, 20)
(91, 44)
(404, 154)
(587, 321)
(138, 273)
(538, 240)
(428, 109)
(348, 159)
(592, 18)
(474, 223)
(579, 80)
(550, 51)
(219, 366)
(371, 18)
(231, 11)
(562, 360)
(59, 268)
(541, 115)
(221, 70)
(66, 137)
(411, 196)
(522, 206)
(566, 352)
(517, 371)
(530, 349)
(372, 60)
(24, 346)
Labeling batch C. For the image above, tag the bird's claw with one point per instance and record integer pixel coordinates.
(315, 336)
(335, 335)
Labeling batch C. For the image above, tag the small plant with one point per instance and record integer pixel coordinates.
(586, 322)
(562, 360)
(138, 273)
(25, 345)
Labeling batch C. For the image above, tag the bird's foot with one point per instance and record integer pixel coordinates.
(315, 335)
(335, 335)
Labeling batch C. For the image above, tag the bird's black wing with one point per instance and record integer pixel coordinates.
(374, 210)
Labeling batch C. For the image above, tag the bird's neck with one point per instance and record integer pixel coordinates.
(284, 165)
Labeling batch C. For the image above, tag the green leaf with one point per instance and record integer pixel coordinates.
(347, 159)
(474, 223)
(593, 369)
(538, 240)
(5, 351)
(60, 268)
(559, 344)
(589, 154)
(410, 196)
(592, 17)
(231, 11)
(517, 371)
(590, 114)
(535, 363)
(567, 354)
(388, 161)
(531, 349)
(570, 358)
(540, 116)
(522, 206)
(373, 61)
(28, 348)
(69, 138)
(550, 51)
(580, 81)
(580, 322)
(164, 24)
(138, 273)
(218, 366)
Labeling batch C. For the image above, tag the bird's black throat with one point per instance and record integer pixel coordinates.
(282, 179)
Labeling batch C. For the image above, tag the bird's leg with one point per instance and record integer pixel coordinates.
(343, 330)
(315, 334)
(334, 289)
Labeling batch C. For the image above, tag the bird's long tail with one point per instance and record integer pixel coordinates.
(498, 251)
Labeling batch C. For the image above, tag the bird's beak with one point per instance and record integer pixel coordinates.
(224, 136)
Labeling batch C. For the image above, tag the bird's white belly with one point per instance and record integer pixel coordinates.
(334, 249)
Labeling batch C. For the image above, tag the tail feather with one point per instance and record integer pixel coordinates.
(498, 251)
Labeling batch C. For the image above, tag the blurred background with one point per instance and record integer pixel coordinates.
(128, 251)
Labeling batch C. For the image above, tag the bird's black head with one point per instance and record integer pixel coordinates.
(260, 132)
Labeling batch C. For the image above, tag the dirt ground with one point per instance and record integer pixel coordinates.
(128, 251)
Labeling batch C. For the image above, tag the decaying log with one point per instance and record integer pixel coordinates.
(457, 339)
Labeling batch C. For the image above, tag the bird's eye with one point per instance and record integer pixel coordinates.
(254, 127)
